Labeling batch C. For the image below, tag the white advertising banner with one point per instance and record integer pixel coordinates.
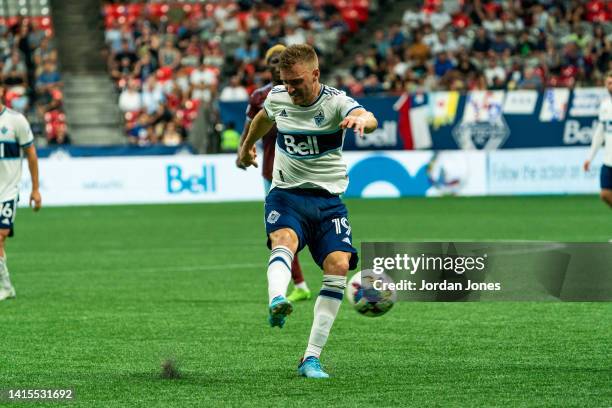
(157, 179)
(180, 179)
(542, 171)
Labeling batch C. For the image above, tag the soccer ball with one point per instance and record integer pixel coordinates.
(365, 299)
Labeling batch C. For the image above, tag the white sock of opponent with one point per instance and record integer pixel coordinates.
(5, 281)
(325, 311)
(279, 272)
(302, 285)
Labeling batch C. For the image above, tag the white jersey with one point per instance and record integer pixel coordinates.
(603, 132)
(309, 140)
(15, 135)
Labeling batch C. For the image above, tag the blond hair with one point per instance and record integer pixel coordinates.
(273, 50)
(299, 54)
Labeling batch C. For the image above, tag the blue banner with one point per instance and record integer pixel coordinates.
(97, 151)
(482, 120)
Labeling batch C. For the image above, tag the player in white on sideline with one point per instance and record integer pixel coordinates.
(603, 135)
(304, 206)
(15, 139)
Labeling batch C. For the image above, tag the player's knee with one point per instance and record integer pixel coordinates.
(3, 236)
(606, 196)
(336, 265)
(285, 237)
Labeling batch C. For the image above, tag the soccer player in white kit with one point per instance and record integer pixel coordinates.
(16, 140)
(304, 208)
(603, 135)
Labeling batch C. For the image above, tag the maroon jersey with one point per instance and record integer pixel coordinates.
(256, 102)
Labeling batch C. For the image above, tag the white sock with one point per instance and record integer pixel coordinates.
(279, 272)
(5, 282)
(302, 285)
(325, 311)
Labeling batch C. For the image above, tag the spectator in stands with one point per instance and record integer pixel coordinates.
(49, 77)
(126, 53)
(172, 135)
(530, 80)
(61, 137)
(500, 45)
(141, 133)
(50, 99)
(494, 73)
(382, 43)
(360, 70)
(169, 55)
(152, 96)
(145, 67)
(130, 99)
(230, 138)
(45, 52)
(418, 51)
(443, 64)
(482, 42)
(234, 91)
(15, 72)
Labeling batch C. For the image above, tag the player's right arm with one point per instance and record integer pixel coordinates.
(258, 128)
(32, 157)
(596, 142)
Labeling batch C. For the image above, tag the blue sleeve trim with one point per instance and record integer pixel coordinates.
(352, 109)
(23, 146)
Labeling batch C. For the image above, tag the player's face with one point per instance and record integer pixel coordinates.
(301, 83)
(609, 84)
(273, 66)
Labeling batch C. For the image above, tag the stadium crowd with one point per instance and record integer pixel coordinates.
(30, 75)
(168, 58)
(476, 45)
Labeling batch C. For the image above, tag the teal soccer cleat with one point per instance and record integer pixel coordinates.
(310, 367)
(280, 308)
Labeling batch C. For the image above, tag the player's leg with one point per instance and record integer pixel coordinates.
(333, 251)
(283, 243)
(301, 290)
(285, 239)
(606, 196)
(6, 288)
(7, 218)
(335, 268)
(606, 185)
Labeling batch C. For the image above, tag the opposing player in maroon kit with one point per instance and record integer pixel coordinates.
(272, 58)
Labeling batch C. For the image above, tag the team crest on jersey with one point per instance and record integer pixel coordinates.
(273, 217)
(319, 118)
(4, 130)
(283, 114)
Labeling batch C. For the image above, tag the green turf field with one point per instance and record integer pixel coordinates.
(104, 294)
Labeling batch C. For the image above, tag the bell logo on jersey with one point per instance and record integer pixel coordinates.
(308, 147)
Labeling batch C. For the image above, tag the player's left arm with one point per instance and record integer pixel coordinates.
(596, 142)
(361, 121)
(260, 125)
(32, 157)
